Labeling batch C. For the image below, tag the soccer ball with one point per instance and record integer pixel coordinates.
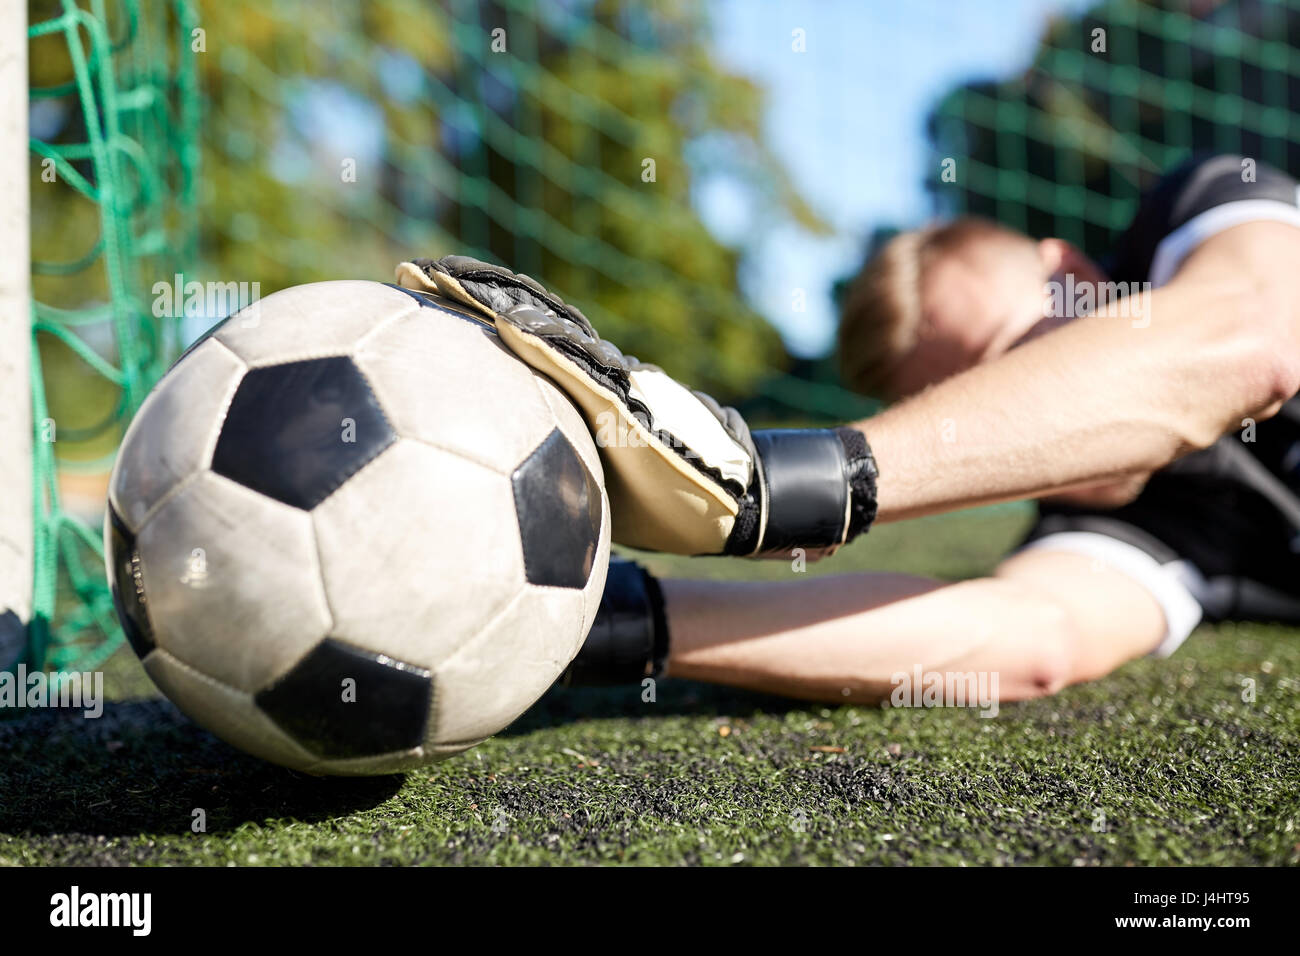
(350, 533)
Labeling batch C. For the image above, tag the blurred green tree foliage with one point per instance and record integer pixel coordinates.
(563, 140)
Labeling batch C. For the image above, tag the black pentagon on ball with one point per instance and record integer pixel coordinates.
(297, 431)
(388, 712)
(557, 502)
(126, 581)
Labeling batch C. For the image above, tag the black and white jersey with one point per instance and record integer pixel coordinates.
(1202, 197)
(1216, 533)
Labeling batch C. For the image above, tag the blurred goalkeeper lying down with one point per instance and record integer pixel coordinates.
(1160, 429)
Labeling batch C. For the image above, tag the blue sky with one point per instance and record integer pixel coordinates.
(847, 117)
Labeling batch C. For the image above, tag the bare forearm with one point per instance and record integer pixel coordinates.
(843, 639)
(1104, 397)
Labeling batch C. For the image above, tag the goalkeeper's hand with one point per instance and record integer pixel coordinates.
(683, 473)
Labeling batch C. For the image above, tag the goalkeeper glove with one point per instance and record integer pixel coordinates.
(683, 473)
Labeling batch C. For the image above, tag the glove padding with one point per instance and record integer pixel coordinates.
(683, 473)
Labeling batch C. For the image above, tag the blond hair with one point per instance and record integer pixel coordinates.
(882, 315)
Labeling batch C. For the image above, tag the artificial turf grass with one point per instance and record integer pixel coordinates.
(1162, 762)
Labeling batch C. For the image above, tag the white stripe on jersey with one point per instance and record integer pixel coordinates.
(1179, 244)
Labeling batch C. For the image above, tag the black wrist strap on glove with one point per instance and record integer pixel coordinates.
(819, 486)
(628, 641)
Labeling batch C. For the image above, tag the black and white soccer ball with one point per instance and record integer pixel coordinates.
(350, 533)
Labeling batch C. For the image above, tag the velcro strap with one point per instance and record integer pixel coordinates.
(806, 490)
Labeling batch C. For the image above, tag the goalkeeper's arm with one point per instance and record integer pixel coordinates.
(1103, 397)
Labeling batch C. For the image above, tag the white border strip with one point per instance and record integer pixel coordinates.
(15, 325)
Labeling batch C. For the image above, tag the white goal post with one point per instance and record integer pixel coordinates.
(15, 338)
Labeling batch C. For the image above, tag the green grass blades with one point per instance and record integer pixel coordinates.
(1163, 762)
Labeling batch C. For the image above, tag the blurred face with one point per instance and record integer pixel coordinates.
(985, 299)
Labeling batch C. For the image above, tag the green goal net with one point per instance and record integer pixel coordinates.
(1112, 99)
(113, 126)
